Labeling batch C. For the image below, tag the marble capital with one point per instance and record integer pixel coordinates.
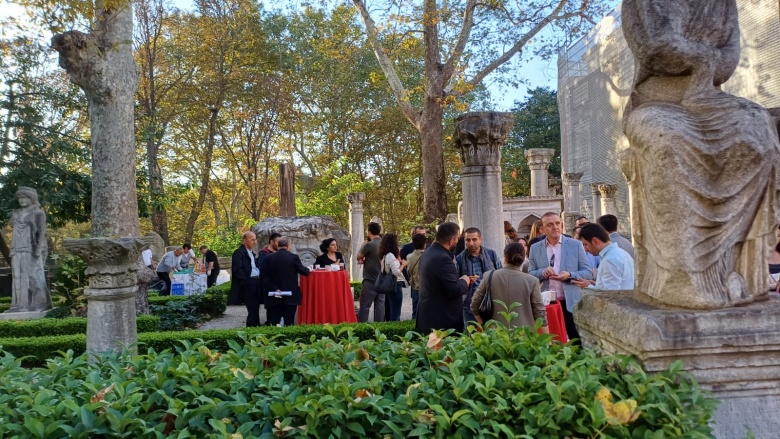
(479, 137)
(111, 263)
(539, 158)
(594, 189)
(572, 178)
(356, 199)
(608, 190)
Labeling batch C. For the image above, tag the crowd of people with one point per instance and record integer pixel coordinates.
(450, 276)
(179, 259)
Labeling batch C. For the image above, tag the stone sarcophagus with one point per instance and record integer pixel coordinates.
(306, 233)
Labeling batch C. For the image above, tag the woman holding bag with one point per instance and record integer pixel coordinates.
(391, 264)
(510, 285)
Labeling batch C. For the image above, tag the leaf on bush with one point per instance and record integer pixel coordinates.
(622, 412)
(236, 371)
(279, 430)
(427, 416)
(362, 393)
(227, 421)
(362, 354)
(236, 436)
(100, 396)
(211, 357)
(435, 340)
(267, 364)
(170, 423)
(409, 389)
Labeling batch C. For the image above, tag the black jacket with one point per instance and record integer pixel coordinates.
(242, 269)
(441, 292)
(280, 272)
(323, 259)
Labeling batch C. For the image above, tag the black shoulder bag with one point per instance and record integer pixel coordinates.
(486, 306)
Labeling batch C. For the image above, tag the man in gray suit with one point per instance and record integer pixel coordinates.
(610, 224)
(555, 262)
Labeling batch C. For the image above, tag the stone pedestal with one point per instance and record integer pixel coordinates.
(23, 315)
(733, 351)
(608, 192)
(539, 162)
(479, 137)
(571, 181)
(596, 197)
(357, 231)
(112, 266)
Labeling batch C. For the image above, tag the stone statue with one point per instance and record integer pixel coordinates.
(28, 254)
(704, 166)
(306, 234)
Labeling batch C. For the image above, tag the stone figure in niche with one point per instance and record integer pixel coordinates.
(28, 254)
(703, 164)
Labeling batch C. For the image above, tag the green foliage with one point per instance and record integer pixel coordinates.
(69, 283)
(39, 349)
(499, 383)
(5, 299)
(357, 288)
(43, 141)
(68, 326)
(537, 125)
(222, 241)
(328, 193)
(181, 312)
(5, 307)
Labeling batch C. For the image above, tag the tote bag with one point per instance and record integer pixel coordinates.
(486, 306)
(385, 282)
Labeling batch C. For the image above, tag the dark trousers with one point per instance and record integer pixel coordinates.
(415, 299)
(166, 277)
(278, 312)
(568, 320)
(250, 292)
(212, 278)
(393, 303)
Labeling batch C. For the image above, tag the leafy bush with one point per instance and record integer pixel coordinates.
(176, 315)
(498, 383)
(181, 312)
(357, 287)
(5, 307)
(223, 241)
(71, 325)
(5, 299)
(39, 349)
(69, 282)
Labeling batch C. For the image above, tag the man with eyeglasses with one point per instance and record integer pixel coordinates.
(556, 262)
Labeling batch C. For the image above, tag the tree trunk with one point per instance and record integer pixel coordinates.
(204, 176)
(101, 63)
(159, 215)
(286, 189)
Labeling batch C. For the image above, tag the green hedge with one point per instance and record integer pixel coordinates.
(5, 307)
(5, 299)
(357, 288)
(498, 383)
(39, 349)
(68, 326)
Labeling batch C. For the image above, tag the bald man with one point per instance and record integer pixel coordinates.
(246, 279)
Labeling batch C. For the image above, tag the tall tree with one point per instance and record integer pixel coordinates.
(464, 42)
(160, 75)
(537, 125)
(101, 63)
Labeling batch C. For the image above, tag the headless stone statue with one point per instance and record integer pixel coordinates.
(704, 165)
(28, 254)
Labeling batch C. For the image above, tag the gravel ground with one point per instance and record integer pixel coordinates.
(235, 316)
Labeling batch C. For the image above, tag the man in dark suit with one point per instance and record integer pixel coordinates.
(441, 291)
(246, 280)
(280, 272)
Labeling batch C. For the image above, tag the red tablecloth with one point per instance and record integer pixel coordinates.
(555, 322)
(326, 298)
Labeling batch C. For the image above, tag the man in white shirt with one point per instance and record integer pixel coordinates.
(187, 256)
(168, 263)
(616, 270)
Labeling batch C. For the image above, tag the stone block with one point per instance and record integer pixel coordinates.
(733, 352)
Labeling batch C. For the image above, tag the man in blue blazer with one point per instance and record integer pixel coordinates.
(557, 260)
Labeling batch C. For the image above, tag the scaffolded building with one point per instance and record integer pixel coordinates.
(595, 76)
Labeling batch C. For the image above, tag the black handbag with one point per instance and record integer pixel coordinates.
(385, 282)
(486, 306)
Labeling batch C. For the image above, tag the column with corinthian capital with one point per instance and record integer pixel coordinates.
(596, 198)
(608, 192)
(356, 231)
(571, 182)
(479, 137)
(539, 162)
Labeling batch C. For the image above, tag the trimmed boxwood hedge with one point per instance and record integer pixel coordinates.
(6, 299)
(68, 326)
(39, 349)
(5, 307)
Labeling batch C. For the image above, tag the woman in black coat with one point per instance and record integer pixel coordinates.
(329, 254)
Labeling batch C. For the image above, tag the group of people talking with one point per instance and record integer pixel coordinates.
(180, 259)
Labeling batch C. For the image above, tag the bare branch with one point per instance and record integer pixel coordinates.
(463, 38)
(399, 92)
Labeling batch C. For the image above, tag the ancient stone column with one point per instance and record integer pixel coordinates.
(479, 137)
(111, 269)
(356, 231)
(572, 184)
(608, 192)
(596, 197)
(539, 162)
